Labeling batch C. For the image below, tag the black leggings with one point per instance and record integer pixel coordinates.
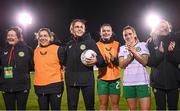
(54, 100)
(163, 97)
(13, 99)
(73, 96)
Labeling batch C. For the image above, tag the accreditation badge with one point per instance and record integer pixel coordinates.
(8, 72)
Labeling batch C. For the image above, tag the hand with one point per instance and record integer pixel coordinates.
(149, 40)
(131, 50)
(171, 46)
(91, 61)
(107, 59)
(129, 47)
(161, 48)
(111, 57)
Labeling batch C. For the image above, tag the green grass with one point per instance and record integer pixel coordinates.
(33, 105)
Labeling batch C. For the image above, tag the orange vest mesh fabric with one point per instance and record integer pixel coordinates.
(111, 72)
(47, 67)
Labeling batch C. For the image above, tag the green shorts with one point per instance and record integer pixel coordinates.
(139, 91)
(108, 87)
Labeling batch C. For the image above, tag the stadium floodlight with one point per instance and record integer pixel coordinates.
(153, 20)
(24, 18)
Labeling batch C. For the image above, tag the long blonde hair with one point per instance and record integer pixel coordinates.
(133, 30)
(154, 32)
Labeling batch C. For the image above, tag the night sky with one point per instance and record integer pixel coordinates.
(57, 15)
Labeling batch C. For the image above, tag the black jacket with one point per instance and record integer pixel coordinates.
(164, 72)
(22, 63)
(76, 73)
(174, 56)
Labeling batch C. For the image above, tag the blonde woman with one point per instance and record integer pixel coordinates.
(77, 75)
(164, 67)
(133, 57)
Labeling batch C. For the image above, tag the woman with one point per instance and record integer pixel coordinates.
(163, 61)
(108, 84)
(48, 79)
(16, 62)
(133, 57)
(77, 75)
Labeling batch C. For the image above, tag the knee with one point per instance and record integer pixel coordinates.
(103, 107)
(114, 107)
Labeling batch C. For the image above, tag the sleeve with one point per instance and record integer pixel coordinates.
(144, 49)
(0, 61)
(116, 59)
(1, 68)
(156, 57)
(0, 56)
(123, 52)
(100, 60)
(31, 59)
(63, 54)
(174, 56)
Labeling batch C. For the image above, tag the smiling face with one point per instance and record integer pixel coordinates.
(106, 32)
(78, 29)
(129, 36)
(44, 38)
(12, 38)
(164, 28)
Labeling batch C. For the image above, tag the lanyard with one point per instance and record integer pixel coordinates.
(10, 55)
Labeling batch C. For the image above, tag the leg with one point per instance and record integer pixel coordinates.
(103, 92)
(88, 95)
(130, 95)
(144, 93)
(103, 102)
(55, 101)
(172, 99)
(43, 101)
(115, 102)
(114, 91)
(22, 98)
(145, 103)
(72, 97)
(131, 103)
(160, 98)
(10, 100)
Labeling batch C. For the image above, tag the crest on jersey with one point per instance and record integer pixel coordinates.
(138, 49)
(82, 46)
(21, 54)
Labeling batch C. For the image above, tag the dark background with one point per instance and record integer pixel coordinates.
(57, 15)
